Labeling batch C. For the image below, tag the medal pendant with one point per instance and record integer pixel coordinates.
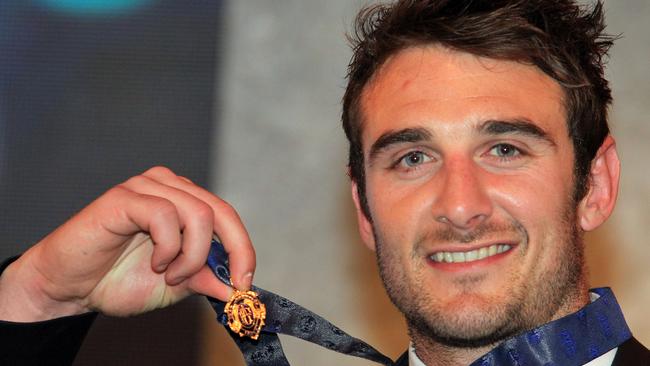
(246, 313)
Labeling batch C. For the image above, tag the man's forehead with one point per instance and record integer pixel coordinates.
(436, 64)
(436, 82)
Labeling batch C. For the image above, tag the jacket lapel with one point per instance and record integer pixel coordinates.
(631, 353)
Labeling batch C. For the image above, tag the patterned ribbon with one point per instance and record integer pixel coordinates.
(285, 317)
(572, 340)
(559, 343)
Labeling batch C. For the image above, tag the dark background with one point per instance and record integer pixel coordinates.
(88, 98)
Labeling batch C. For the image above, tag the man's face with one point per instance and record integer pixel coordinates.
(469, 178)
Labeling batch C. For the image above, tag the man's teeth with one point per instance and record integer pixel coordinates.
(472, 255)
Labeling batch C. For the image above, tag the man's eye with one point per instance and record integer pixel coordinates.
(504, 151)
(414, 158)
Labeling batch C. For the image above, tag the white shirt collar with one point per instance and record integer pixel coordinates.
(603, 360)
(414, 360)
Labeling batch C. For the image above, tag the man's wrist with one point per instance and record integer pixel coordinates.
(23, 300)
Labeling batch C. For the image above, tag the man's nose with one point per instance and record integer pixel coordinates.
(463, 201)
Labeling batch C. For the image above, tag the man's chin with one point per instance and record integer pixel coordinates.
(464, 328)
(456, 339)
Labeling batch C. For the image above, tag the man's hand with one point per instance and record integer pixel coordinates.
(140, 246)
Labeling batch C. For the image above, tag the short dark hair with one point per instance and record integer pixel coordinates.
(563, 39)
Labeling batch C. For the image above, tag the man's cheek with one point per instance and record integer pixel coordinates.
(522, 199)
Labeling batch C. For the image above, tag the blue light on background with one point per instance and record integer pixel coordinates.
(94, 7)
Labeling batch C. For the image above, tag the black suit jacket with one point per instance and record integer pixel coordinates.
(630, 353)
(56, 342)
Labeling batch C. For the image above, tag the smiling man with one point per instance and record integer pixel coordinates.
(479, 155)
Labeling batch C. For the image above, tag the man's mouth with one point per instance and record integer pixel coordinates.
(469, 256)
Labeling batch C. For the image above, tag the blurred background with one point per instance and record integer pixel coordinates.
(243, 97)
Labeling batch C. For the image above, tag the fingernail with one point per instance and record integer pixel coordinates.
(179, 280)
(247, 280)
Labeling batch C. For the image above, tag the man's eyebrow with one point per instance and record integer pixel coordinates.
(391, 138)
(515, 126)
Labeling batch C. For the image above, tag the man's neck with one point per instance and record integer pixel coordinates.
(433, 353)
(436, 354)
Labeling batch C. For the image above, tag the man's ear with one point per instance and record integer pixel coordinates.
(604, 175)
(365, 227)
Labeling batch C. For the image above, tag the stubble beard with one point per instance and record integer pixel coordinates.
(541, 299)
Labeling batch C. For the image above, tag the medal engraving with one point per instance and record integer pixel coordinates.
(246, 313)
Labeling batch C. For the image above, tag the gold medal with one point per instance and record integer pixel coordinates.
(246, 313)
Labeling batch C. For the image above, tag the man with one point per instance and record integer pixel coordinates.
(479, 156)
